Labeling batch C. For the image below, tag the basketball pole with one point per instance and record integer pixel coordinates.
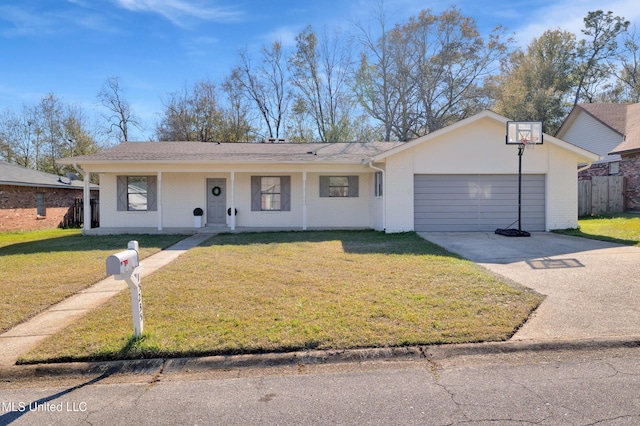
(520, 152)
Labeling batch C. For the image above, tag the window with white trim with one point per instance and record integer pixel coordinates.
(377, 184)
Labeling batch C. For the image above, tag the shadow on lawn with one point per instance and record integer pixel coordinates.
(357, 242)
(86, 243)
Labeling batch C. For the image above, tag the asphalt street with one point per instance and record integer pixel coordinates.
(549, 388)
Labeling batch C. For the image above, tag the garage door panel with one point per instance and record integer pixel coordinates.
(477, 202)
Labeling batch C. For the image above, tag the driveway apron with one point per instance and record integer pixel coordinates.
(592, 288)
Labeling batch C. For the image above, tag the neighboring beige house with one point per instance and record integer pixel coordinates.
(460, 178)
(30, 199)
(613, 132)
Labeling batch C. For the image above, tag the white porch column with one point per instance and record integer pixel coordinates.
(232, 216)
(159, 201)
(304, 201)
(86, 195)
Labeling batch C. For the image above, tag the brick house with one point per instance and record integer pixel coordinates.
(613, 132)
(30, 199)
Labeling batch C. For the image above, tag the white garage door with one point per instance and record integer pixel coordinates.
(477, 202)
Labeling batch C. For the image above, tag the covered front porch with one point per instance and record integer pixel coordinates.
(169, 198)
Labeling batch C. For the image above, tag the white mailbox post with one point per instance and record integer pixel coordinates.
(125, 265)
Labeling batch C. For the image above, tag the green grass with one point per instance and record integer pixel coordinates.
(273, 292)
(41, 268)
(623, 228)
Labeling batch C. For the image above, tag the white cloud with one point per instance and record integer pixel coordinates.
(182, 12)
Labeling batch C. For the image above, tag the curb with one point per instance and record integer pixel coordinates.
(430, 353)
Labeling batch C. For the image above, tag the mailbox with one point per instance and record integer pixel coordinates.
(122, 263)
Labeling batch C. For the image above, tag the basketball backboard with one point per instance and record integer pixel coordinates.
(524, 132)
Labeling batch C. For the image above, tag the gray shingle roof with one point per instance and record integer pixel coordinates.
(12, 174)
(352, 152)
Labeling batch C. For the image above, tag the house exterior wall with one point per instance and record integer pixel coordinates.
(376, 203)
(597, 169)
(476, 149)
(19, 212)
(399, 192)
(110, 217)
(562, 190)
(630, 169)
(339, 212)
(182, 192)
(592, 135)
(479, 148)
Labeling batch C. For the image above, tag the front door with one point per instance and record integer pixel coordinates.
(216, 201)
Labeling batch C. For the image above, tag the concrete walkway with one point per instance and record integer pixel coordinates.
(26, 335)
(592, 288)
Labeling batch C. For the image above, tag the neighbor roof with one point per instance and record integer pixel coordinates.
(12, 174)
(140, 152)
(624, 119)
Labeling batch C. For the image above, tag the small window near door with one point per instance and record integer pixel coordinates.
(378, 184)
(41, 209)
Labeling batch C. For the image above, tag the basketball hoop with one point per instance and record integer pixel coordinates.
(523, 134)
(526, 143)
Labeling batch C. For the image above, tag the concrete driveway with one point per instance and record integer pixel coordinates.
(592, 287)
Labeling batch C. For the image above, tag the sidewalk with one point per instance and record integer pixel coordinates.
(26, 335)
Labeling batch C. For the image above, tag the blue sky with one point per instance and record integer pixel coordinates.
(69, 47)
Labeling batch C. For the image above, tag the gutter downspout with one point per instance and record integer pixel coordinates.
(86, 197)
(585, 167)
(384, 198)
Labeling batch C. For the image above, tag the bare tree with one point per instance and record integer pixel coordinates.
(453, 60)
(265, 86)
(382, 82)
(120, 116)
(426, 73)
(320, 71)
(236, 125)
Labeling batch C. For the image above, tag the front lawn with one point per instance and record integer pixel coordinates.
(253, 293)
(623, 228)
(41, 268)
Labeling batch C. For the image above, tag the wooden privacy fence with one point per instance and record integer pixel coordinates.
(75, 216)
(600, 195)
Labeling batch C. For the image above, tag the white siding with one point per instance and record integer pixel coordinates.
(110, 217)
(345, 212)
(184, 191)
(479, 148)
(399, 192)
(562, 190)
(590, 134)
